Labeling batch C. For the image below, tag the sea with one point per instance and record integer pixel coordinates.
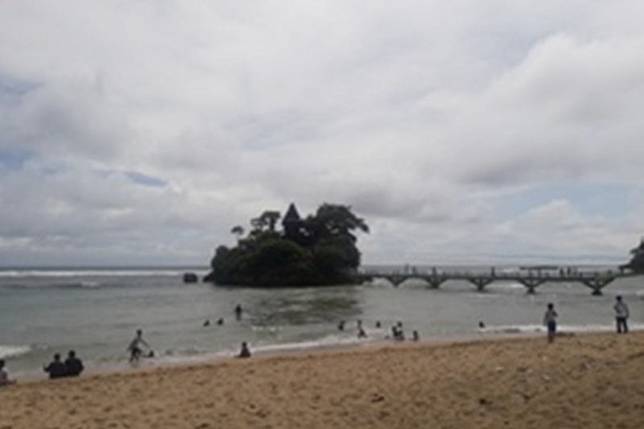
(96, 311)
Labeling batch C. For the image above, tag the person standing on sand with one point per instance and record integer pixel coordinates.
(550, 320)
(4, 377)
(621, 315)
(135, 348)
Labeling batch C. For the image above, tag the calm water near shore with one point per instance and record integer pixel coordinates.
(97, 311)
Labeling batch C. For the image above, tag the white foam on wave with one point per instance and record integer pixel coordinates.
(525, 329)
(506, 285)
(196, 356)
(7, 351)
(513, 329)
(329, 340)
(92, 273)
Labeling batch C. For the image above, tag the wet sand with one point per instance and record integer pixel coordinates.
(582, 381)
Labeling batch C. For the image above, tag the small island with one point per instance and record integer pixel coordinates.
(636, 264)
(317, 250)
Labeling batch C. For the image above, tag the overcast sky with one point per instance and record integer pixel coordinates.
(141, 131)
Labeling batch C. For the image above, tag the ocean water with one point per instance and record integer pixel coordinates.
(96, 313)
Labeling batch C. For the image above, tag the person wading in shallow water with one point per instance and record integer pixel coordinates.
(135, 347)
(621, 315)
(238, 312)
(550, 320)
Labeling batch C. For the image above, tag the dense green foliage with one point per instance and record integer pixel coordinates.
(637, 260)
(318, 250)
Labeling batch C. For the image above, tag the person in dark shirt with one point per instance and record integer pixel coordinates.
(56, 369)
(244, 353)
(73, 365)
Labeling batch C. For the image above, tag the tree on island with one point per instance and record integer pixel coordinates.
(318, 250)
(636, 264)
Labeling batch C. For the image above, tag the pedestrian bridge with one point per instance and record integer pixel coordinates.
(596, 281)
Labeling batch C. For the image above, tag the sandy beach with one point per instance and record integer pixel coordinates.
(581, 381)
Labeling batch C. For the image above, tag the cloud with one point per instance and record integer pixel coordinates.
(142, 131)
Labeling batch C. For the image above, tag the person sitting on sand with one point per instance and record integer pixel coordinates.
(245, 352)
(56, 369)
(135, 347)
(73, 365)
(4, 377)
(621, 315)
(550, 320)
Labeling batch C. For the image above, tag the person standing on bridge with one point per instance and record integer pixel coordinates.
(550, 320)
(621, 315)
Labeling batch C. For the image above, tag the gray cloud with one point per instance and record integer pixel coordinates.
(142, 131)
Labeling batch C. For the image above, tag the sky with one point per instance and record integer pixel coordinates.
(139, 132)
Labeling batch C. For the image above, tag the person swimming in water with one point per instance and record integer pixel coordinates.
(135, 347)
(238, 312)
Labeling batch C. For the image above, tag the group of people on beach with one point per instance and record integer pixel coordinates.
(238, 316)
(239, 311)
(397, 332)
(72, 367)
(622, 314)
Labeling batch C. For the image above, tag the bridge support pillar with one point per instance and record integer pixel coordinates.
(395, 280)
(531, 284)
(597, 284)
(435, 282)
(480, 282)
